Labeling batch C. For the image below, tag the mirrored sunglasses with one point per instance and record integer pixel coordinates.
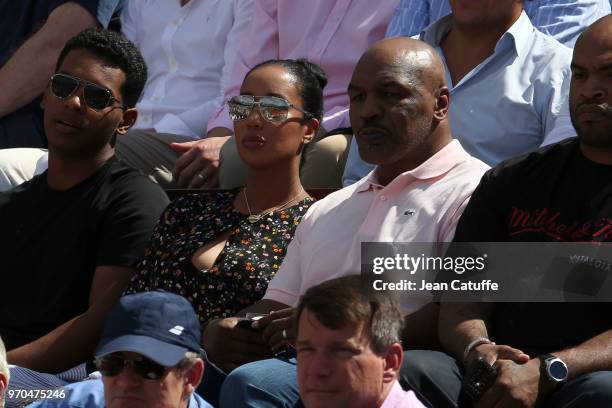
(112, 364)
(95, 96)
(272, 108)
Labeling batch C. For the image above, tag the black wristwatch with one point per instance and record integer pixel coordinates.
(554, 369)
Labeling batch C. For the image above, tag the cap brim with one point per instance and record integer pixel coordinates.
(162, 353)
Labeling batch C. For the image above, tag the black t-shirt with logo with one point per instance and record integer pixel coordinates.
(553, 194)
(52, 241)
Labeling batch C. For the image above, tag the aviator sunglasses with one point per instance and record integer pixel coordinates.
(95, 96)
(112, 364)
(272, 108)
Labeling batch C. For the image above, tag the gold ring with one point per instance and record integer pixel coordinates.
(284, 334)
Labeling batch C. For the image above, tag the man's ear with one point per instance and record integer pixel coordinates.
(442, 103)
(312, 127)
(393, 362)
(128, 120)
(3, 384)
(193, 376)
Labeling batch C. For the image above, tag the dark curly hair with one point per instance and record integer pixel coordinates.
(312, 80)
(118, 51)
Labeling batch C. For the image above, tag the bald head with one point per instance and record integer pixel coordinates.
(599, 33)
(590, 97)
(414, 58)
(399, 105)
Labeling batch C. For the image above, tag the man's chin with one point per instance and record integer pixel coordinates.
(374, 156)
(323, 400)
(596, 140)
(127, 403)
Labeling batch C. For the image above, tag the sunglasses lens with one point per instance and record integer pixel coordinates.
(63, 86)
(112, 364)
(149, 369)
(240, 107)
(96, 97)
(274, 109)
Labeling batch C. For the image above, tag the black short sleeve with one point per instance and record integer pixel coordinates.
(128, 221)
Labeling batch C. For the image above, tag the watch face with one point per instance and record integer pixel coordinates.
(557, 370)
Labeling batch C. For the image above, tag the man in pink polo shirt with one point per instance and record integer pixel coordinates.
(398, 109)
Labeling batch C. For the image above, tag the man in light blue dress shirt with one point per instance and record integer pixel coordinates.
(509, 86)
(562, 19)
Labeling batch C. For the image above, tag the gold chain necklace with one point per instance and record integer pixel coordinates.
(253, 218)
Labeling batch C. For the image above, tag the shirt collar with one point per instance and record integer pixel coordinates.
(438, 164)
(519, 35)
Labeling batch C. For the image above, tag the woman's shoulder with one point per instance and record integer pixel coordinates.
(186, 207)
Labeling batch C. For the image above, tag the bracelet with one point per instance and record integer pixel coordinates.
(479, 341)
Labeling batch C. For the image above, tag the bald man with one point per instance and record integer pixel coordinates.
(562, 193)
(423, 179)
(509, 82)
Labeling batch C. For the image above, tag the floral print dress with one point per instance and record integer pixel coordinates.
(239, 277)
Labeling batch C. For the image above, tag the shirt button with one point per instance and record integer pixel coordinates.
(146, 119)
(173, 63)
(156, 98)
(175, 23)
(383, 198)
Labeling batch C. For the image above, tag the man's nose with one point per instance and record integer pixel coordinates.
(370, 107)
(320, 365)
(593, 89)
(128, 377)
(76, 100)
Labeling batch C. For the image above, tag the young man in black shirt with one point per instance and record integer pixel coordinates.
(71, 236)
(562, 193)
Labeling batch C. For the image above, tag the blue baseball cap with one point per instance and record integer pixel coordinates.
(159, 325)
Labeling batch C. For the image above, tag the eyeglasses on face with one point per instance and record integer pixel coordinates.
(95, 96)
(112, 364)
(272, 108)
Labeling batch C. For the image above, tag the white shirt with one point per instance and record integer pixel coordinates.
(190, 52)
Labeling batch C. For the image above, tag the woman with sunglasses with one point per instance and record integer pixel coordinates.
(220, 249)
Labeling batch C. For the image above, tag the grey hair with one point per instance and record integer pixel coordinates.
(187, 362)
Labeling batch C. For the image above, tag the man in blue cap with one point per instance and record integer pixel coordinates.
(149, 356)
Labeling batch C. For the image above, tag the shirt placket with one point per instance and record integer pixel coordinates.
(331, 25)
(371, 225)
(168, 38)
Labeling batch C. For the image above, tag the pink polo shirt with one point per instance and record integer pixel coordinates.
(420, 205)
(331, 33)
(398, 398)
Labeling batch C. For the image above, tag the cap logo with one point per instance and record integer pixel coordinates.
(178, 330)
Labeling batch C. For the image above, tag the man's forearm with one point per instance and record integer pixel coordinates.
(63, 348)
(461, 323)
(26, 73)
(592, 355)
(74, 341)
